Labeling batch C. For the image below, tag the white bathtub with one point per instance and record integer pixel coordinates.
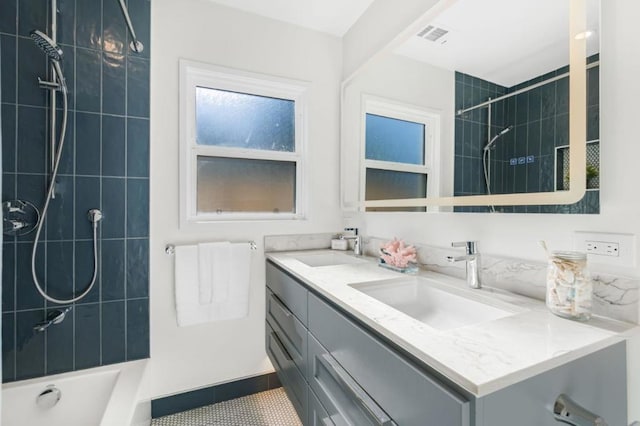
(103, 396)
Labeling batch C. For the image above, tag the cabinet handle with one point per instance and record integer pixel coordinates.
(284, 350)
(371, 409)
(566, 410)
(282, 306)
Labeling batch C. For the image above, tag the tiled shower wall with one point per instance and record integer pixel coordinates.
(540, 120)
(471, 130)
(105, 165)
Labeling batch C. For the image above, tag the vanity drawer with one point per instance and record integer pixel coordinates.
(289, 329)
(289, 291)
(346, 402)
(596, 382)
(318, 416)
(291, 379)
(407, 394)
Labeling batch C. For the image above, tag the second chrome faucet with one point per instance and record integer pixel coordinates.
(357, 240)
(472, 259)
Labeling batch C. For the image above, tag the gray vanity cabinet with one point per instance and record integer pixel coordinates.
(597, 382)
(338, 373)
(407, 394)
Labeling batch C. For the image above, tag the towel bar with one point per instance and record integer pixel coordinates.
(170, 249)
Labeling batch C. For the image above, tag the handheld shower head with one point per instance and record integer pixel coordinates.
(48, 46)
(53, 52)
(506, 130)
(495, 138)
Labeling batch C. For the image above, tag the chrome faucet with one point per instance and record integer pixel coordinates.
(357, 240)
(54, 317)
(472, 258)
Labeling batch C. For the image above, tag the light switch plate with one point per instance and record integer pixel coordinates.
(604, 242)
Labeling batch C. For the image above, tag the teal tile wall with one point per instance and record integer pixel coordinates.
(105, 165)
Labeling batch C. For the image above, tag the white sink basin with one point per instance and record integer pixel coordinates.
(428, 302)
(328, 259)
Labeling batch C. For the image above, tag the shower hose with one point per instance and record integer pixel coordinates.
(94, 215)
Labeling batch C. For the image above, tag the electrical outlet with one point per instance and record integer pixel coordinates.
(607, 248)
(611, 249)
(603, 248)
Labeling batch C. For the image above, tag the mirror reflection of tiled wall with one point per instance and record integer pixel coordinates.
(529, 157)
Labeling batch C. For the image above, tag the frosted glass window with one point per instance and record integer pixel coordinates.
(390, 139)
(390, 184)
(240, 120)
(242, 185)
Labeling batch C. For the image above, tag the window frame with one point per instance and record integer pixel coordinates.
(197, 74)
(431, 119)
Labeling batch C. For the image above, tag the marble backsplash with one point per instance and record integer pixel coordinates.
(614, 296)
(298, 242)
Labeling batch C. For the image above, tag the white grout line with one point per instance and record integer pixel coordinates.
(73, 168)
(15, 192)
(126, 195)
(101, 177)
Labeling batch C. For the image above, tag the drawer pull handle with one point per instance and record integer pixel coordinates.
(284, 350)
(282, 306)
(567, 411)
(371, 409)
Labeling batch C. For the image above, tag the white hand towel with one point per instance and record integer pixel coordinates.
(214, 271)
(236, 302)
(237, 305)
(186, 282)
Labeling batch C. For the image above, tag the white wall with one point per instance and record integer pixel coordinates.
(516, 234)
(187, 358)
(191, 357)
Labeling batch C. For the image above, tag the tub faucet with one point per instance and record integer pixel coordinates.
(472, 258)
(54, 317)
(357, 240)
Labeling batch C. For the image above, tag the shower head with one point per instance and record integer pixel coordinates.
(506, 130)
(47, 45)
(495, 138)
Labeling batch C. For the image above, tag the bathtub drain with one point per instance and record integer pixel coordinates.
(49, 397)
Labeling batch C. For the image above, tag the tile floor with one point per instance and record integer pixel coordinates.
(270, 408)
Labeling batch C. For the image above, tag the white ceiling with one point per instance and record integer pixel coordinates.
(329, 16)
(503, 41)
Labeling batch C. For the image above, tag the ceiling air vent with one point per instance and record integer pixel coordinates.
(432, 33)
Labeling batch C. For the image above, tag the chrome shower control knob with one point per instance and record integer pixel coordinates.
(94, 215)
(49, 397)
(19, 217)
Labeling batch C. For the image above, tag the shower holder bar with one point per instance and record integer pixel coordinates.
(170, 249)
(49, 85)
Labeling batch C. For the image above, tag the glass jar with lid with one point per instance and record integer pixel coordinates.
(569, 286)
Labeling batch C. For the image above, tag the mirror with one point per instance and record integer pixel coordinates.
(472, 111)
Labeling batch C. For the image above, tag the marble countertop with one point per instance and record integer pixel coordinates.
(481, 358)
